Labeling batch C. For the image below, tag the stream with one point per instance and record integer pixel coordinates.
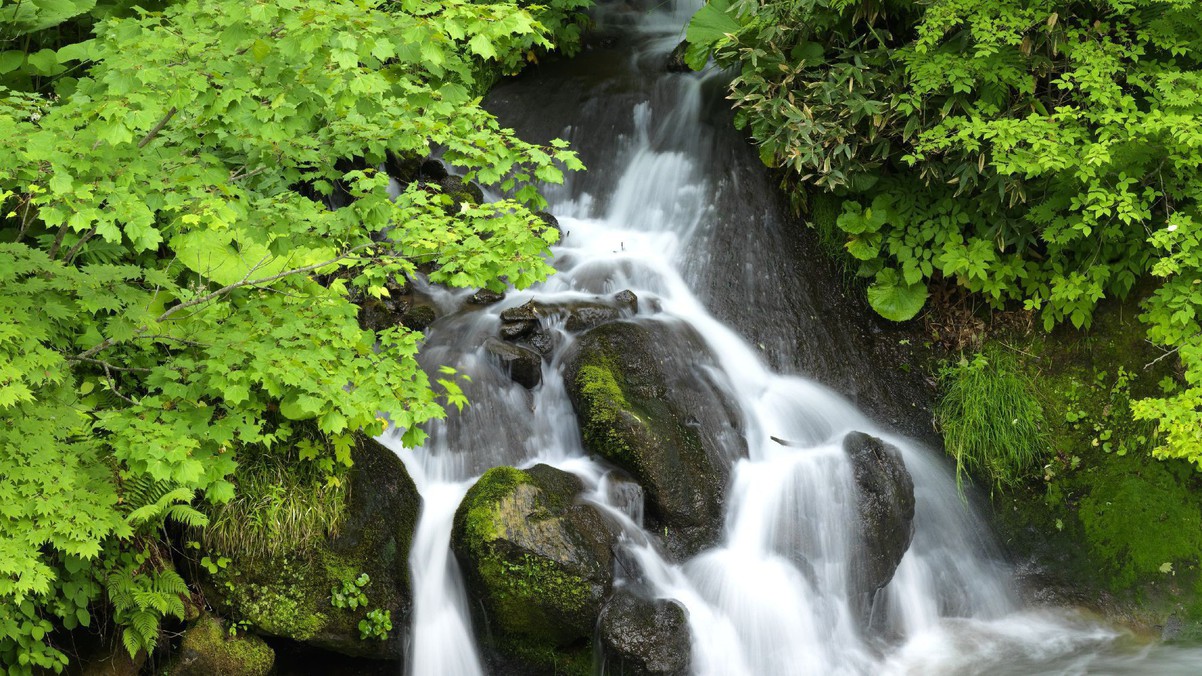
(676, 208)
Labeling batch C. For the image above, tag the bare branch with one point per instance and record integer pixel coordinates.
(78, 245)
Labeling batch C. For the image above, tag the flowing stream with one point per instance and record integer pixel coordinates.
(676, 209)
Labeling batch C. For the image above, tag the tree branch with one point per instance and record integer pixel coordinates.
(244, 282)
(158, 127)
(78, 245)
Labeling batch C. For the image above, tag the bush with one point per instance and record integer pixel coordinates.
(992, 423)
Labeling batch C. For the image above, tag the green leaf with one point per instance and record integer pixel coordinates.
(895, 300)
(711, 24)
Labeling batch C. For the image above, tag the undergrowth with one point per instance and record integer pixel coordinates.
(992, 422)
(281, 505)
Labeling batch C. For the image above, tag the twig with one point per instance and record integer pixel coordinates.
(82, 240)
(158, 127)
(58, 241)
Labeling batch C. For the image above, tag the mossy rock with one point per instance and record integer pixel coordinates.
(647, 401)
(288, 595)
(208, 649)
(539, 562)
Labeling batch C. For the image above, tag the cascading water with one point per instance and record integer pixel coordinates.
(654, 215)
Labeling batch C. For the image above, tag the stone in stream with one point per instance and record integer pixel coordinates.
(644, 637)
(287, 594)
(524, 365)
(676, 62)
(648, 400)
(522, 325)
(884, 507)
(539, 565)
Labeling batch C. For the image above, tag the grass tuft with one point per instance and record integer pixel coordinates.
(992, 421)
(281, 505)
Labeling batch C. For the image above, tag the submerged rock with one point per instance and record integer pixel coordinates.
(647, 400)
(644, 637)
(288, 595)
(885, 507)
(524, 365)
(539, 563)
(208, 649)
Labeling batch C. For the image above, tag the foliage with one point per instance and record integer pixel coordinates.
(348, 593)
(281, 503)
(991, 421)
(1044, 154)
(376, 625)
(170, 298)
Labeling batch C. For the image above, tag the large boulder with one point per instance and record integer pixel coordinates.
(289, 594)
(539, 563)
(884, 507)
(644, 637)
(208, 649)
(648, 400)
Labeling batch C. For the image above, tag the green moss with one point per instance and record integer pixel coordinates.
(605, 406)
(481, 518)
(208, 649)
(1105, 517)
(572, 661)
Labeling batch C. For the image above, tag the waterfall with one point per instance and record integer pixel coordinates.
(665, 197)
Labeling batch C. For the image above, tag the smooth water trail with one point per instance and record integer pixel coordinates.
(773, 596)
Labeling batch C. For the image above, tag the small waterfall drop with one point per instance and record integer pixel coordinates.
(772, 596)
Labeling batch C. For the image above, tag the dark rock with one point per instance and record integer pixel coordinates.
(644, 637)
(885, 508)
(419, 317)
(578, 316)
(433, 170)
(486, 297)
(525, 366)
(403, 168)
(207, 649)
(676, 62)
(648, 402)
(548, 218)
(513, 330)
(538, 563)
(541, 341)
(287, 595)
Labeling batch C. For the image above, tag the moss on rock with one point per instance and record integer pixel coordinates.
(288, 594)
(540, 563)
(208, 649)
(1108, 526)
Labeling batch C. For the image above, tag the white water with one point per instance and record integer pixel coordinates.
(753, 608)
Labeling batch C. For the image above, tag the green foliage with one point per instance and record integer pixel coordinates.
(282, 503)
(171, 300)
(992, 423)
(376, 625)
(1043, 154)
(348, 593)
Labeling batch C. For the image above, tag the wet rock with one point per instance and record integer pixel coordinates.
(208, 649)
(432, 170)
(885, 506)
(676, 62)
(287, 594)
(403, 168)
(648, 401)
(548, 218)
(524, 365)
(538, 563)
(644, 637)
(578, 316)
(419, 317)
(486, 297)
